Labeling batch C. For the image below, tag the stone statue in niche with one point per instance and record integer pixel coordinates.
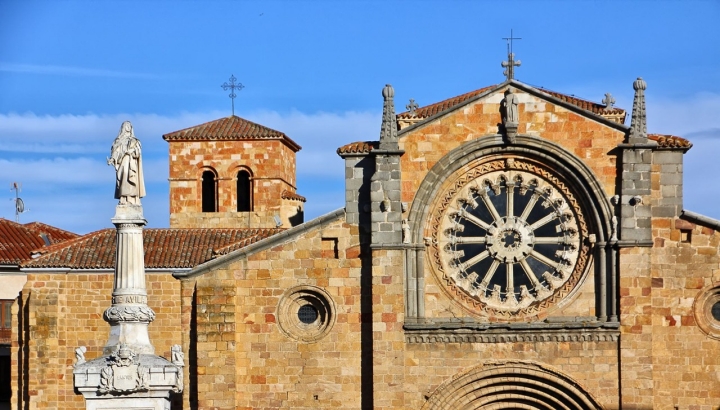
(405, 231)
(126, 158)
(510, 108)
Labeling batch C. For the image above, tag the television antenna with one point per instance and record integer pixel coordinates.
(19, 204)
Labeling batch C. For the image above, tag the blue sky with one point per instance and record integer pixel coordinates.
(72, 71)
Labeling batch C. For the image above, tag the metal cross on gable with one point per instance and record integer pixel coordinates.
(232, 86)
(511, 63)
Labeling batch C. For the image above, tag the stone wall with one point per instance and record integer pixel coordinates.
(63, 311)
(685, 361)
(251, 351)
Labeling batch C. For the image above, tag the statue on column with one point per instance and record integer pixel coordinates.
(125, 156)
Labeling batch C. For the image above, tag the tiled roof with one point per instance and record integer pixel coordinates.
(292, 195)
(54, 234)
(230, 128)
(432, 109)
(670, 141)
(164, 248)
(362, 147)
(18, 241)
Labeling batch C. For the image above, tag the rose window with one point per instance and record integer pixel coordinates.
(510, 237)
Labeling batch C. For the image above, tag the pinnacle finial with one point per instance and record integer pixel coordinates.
(388, 92)
(639, 84)
(388, 128)
(638, 121)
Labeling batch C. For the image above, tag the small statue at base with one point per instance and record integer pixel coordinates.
(178, 357)
(126, 158)
(80, 355)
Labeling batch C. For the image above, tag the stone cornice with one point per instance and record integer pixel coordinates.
(474, 332)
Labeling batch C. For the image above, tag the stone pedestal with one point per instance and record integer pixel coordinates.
(125, 380)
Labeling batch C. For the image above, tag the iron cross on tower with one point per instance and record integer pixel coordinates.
(511, 63)
(232, 86)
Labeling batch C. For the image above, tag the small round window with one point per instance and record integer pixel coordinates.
(306, 313)
(707, 310)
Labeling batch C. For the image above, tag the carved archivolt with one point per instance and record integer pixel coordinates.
(511, 385)
(509, 238)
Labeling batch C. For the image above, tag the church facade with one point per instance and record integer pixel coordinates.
(512, 247)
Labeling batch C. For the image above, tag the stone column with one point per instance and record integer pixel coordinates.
(129, 315)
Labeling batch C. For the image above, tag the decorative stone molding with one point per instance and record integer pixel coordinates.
(503, 336)
(306, 313)
(116, 314)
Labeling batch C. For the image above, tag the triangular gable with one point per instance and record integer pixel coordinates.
(570, 103)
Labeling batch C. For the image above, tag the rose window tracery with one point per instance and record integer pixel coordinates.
(509, 237)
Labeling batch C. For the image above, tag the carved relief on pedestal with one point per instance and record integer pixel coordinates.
(123, 373)
(116, 314)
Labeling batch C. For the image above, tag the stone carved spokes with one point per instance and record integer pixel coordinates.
(509, 239)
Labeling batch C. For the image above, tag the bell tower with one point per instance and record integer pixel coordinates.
(233, 173)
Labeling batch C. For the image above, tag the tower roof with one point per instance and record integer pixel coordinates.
(232, 128)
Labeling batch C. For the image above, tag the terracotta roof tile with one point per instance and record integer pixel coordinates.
(584, 104)
(55, 235)
(232, 128)
(18, 241)
(432, 109)
(292, 195)
(670, 141)
(164, 248)
(362, 147)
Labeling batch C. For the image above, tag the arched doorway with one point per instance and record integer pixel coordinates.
(511, 385)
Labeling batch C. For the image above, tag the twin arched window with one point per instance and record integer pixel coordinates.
(243, 191)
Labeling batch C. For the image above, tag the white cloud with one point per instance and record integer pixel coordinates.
(683, 116)
(73, 171)
(70, 71)
(60, 160)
